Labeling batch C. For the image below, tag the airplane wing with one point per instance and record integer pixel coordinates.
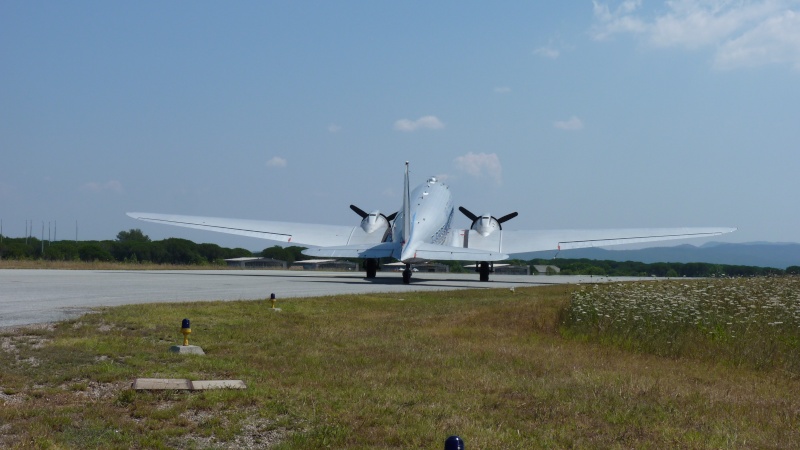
(469, 245)
(294, 233)
(510, 242)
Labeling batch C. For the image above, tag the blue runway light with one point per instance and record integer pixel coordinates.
(454, 443)
(186, 329)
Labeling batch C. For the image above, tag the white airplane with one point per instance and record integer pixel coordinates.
(421, 231)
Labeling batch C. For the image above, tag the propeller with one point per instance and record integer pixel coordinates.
(364, 214)
(466, 212)
(475, 218)
(507, 217)
(359, 211)
(487, 224)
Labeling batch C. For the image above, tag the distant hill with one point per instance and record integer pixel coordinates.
(760, 254)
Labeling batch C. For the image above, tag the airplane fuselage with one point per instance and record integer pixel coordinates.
(431, 215)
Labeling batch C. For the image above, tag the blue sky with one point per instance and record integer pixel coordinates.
(576, 114)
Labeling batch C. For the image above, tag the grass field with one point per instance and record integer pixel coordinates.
(501, 369)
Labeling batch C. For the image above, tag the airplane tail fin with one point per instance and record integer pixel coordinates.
(406, 209)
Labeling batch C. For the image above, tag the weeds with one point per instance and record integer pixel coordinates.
(746, 322)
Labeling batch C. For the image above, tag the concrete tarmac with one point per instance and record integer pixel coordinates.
(40, 296)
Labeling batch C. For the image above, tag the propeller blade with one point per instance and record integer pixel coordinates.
(507, 217)
(359, 211)
(467, 213)
(392, 216)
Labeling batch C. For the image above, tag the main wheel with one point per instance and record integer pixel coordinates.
(484, 271)
(407, 276)
(371, 266)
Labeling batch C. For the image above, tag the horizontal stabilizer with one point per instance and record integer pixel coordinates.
(448, 253)
(383, 250)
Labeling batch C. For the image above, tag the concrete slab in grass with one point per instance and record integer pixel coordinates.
(161, 384)
(187, 350)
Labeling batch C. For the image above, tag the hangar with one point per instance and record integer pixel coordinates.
(254, 262)
(325, 264)
(547, 269)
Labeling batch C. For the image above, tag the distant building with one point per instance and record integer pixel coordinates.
(547, 269)
(432, 267)
(325, 264)
(254, 262)
(505, 269)
(429, 267)
(512, 270)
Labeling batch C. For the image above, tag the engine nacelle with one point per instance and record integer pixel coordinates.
(486, 225)
(374, 221)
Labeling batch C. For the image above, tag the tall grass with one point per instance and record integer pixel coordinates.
(747, 322)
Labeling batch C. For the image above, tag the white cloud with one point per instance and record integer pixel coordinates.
(481, 164)
(109, 186)
(547, 52)
(571, 124)
(742, 33)
(426, 122)
(502, 90)
(776, 40)
(276, 161)
(333, 128)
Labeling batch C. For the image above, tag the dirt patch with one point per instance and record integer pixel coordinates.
(24, 336)
(256, 433)
(93, 390)
(10, 399)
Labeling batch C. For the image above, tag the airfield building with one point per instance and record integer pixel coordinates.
(252, 262)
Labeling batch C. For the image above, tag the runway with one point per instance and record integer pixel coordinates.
(40, 296)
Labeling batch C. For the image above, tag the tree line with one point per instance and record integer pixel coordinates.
(130, 246)
(133, 246)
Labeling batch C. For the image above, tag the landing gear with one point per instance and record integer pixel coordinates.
(371, 266)
(407, 274)
(484, 269)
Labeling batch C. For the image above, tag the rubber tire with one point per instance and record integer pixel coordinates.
(484, 271)
(371, 267)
